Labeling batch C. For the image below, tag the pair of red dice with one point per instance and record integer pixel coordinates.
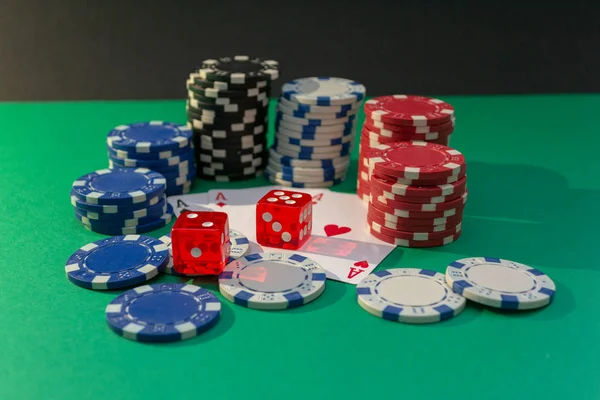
(200, 239)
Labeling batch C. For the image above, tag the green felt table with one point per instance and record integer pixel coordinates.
(534, 194)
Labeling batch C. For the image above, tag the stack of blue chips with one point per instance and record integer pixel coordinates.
(121, 201)
(164, 147)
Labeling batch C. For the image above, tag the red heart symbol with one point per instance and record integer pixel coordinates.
(361, 264)
(334, 230)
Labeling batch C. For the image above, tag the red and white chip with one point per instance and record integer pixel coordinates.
(392, 214)
(385, 200)
(414, 243)
(404, 109)
(416, 160)
(418, 225)
(417, 236)
(377, 126)
(427, 191)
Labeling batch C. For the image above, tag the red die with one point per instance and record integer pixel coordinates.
(284, 219)
(200, 243)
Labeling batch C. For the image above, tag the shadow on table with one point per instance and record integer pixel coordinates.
(530, 215)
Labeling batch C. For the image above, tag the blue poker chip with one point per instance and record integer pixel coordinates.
(286, 281)
(135, 228)
(291, 161)
(151, 212)
(315, 122)
(119, 186)
(117, 262)
(149, 137)
(333, 115)
(179, 175)
(500, 283)
(113, 209)
(152, 156)
(179, 190)
(163, 312)
(185, 159)
(117, 220)
(409, 295)
(239, 247)
(323, 91)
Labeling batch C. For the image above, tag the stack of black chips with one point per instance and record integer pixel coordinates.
(227, 110)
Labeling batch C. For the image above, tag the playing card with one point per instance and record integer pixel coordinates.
(192, 202)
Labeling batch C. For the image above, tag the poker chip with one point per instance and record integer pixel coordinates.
(315, 122)
(415, 243)
(422, 207)
(337, 129)
(323, 91)
(128, 227)
(227, 111)
(119, 186)
(240, 245)
(408, 110)
(409, 295)
(239, 70)
(385, 129)
(416, 160)
(393, 214)
(372, 139)
(113, 209)
(294, 112)
(152, 212)
(314, 132)
(294, 162)
(500, 283)
(415, 236)
(117, 262)
(163, 312)
(393, 184)
(163, 147)
(430, 225)
(383, 196)
(272, 281)
(397, 222)
(149, 137)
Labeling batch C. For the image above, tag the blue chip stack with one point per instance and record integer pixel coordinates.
(315, 131)
(121, 201)
(160, 146)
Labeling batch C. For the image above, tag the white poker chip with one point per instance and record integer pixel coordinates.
(500, 283)
(272, 281)
(323, 91)
(409, 295)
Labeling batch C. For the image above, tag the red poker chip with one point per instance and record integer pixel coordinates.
(387, 197)
(428, 191)
(433, 225)
(373, 139)
(418, 236)
(390, 129)
(408, 110)
(393, 214)
(391, 184)
(416, 160)
(415, 243)
(423, 207)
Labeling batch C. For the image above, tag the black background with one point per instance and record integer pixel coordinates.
(77, 49)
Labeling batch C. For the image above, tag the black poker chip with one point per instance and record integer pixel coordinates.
(217, 93)
(239, 69)
(229, 177)
(226, 109)
(203, 83)
(245, 101)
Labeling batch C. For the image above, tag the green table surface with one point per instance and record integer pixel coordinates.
(533, 198)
